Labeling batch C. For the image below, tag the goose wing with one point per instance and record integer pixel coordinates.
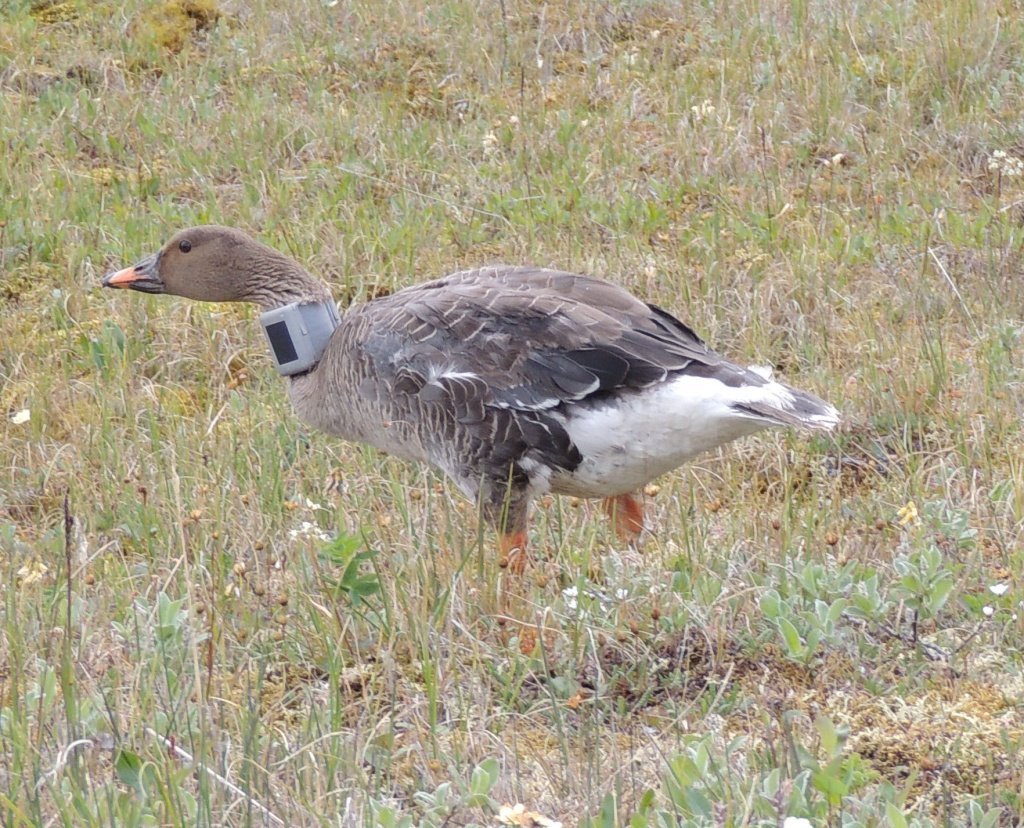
(529, 339)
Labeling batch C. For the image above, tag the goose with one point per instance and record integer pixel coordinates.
(513, 381)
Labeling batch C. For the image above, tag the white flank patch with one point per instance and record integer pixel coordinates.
(539, 474)
(640, 437)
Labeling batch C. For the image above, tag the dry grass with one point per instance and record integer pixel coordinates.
(810, 631)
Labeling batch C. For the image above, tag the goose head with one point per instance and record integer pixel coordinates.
(210, 263)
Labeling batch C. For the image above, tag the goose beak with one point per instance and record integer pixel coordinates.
(142, 276)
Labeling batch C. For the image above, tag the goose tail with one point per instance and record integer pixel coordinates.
(781, 405)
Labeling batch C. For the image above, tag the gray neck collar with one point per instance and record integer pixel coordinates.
(298, 334)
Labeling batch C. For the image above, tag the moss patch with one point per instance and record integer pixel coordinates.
(171, 25)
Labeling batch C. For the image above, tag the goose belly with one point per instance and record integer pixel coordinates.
(639, 436)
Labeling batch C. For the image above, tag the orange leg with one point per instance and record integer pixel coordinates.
(627, 514)
(513, 552)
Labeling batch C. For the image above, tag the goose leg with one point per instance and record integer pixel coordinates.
(627, 515)
(512, 548)
(506, 507)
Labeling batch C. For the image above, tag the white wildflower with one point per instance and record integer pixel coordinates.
(21, 417)
(988, 611)
(1004, 164)
(511, 814)
(306, 529)
(570, 595)
(998, 589)
(702, 111)
(796, 822)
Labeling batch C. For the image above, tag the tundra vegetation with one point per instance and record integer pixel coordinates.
(210, 611)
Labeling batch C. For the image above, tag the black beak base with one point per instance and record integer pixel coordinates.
(142, 276)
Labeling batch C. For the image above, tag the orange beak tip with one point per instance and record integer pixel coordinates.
(120, 278)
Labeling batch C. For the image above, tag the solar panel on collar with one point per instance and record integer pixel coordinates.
(281, 342)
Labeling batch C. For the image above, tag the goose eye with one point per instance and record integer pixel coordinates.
(184, 245)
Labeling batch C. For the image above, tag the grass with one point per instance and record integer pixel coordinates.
(820, 628)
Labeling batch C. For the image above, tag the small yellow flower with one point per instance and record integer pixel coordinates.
(518, 815)
(907, 514)
(32, 572)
